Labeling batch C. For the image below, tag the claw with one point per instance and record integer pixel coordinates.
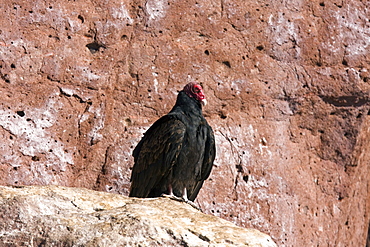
(173, 197)
(180, 199)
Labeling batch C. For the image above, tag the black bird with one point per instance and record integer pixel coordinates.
(176, 153)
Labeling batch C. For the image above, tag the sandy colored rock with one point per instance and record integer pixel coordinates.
(61, 216)
(287, 84)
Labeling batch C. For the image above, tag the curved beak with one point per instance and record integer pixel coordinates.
(204, 102)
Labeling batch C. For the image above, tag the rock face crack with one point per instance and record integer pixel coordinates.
(199, 235)
(346, 101)
(72, 94)
(74, 204)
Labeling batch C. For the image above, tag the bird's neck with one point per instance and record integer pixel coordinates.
(188, 104)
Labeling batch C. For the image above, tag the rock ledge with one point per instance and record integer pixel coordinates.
(63, 216)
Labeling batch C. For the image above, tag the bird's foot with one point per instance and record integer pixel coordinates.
(180, 199)
(173, 197)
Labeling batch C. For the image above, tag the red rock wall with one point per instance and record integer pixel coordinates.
(287, 84)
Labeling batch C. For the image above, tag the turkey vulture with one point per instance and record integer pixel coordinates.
(176, 153)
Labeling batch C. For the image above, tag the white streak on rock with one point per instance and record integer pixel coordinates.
(32, 135)
(156, 9)
(121, 13)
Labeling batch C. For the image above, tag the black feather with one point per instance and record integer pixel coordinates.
(177, 151)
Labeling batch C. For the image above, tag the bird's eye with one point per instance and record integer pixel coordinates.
(196, 89)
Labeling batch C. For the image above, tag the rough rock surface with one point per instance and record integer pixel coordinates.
(288, 90)
(62, 216)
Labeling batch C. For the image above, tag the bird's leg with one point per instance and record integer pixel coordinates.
(185, 195)
(170, 190)
(185, 198)
(171, 195)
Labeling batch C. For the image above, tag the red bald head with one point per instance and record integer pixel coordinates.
(195, 90)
